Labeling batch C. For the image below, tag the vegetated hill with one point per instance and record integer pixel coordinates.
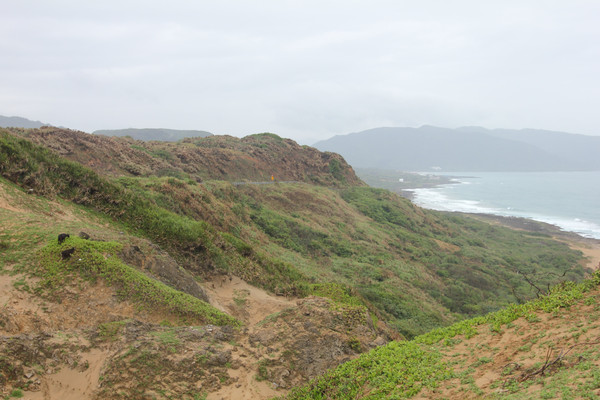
(466, 149)
(418, 268)
(370, 256)
(253, 158)
(161, 134)
(19, 122)
(545, 349)
(110, 314)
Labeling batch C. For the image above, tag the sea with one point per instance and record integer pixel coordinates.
(569, 200)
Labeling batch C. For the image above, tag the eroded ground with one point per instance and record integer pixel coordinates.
(82, 341)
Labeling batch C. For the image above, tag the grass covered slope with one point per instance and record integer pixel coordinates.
(97, 328)
(416, 269)
(195, 243)
(376, 257)
(29, 246)
(546, 348)
(92, 260)
(420, 269)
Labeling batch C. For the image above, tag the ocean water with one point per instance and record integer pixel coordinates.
(569, 200)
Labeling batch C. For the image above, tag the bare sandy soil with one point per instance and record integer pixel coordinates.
(73, 384)
(26, 313)
(81, 307)
(246, 302)
(251, 305)
(591, 250)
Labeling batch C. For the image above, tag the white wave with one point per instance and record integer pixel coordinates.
(434, 199)
(581, 227)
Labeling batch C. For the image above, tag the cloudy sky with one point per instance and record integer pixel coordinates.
(302, 69)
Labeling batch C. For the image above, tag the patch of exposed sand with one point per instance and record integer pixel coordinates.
(246, 302)
(6, 287)
(25, 312)
(246, 388)
(591, 250)
(73, 383)
(251, 305)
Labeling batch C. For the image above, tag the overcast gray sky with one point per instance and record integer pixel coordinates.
(307, 69)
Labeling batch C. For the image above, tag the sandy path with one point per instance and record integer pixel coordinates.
(247, 387)
(246, 302)
(251, 305)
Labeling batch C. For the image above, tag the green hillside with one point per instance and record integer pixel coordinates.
(415, 269)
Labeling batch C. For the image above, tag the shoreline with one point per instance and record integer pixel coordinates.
(588, 246)
(402, 184)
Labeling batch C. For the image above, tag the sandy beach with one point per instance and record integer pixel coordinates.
(590, 250)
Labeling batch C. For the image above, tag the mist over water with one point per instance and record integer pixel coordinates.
(569, 200)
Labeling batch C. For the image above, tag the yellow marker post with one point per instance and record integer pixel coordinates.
(272, 177)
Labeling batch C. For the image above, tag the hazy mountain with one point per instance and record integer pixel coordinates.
(578, 150)
(164, 135)
(428, 147)
(19, 122)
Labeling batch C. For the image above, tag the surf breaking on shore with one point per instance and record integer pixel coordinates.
(434, 199)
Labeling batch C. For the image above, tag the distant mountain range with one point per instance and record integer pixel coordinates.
(466, 149)
(19, 122)
(163, 135)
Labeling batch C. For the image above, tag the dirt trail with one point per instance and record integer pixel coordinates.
(246, 302)
(251, 305)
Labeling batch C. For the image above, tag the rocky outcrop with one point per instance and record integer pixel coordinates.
(160, 265)
(307, 340)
